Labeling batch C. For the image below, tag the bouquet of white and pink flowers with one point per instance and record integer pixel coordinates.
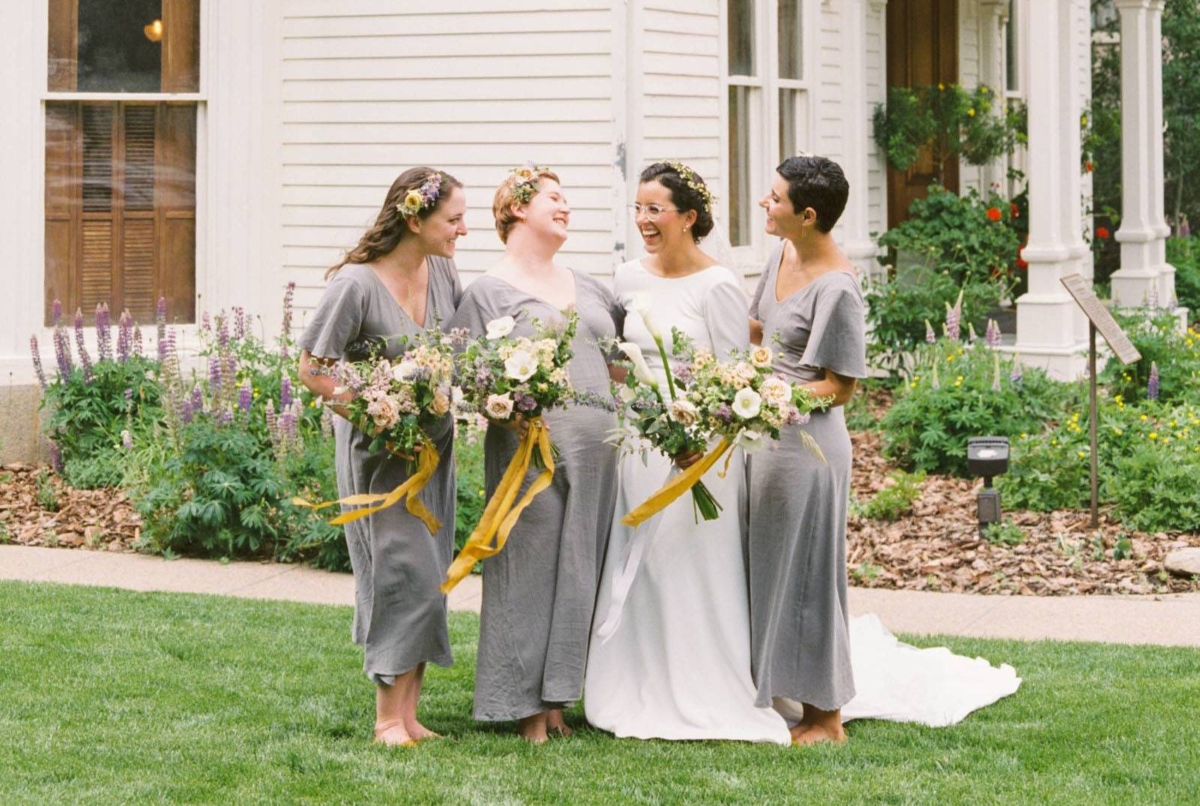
(741, 401)
(397, 402)
(507, 379)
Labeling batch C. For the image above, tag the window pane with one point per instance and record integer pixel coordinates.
(116, 51)
(741, 204)
(1010, 54)
(741, 38)
(787, 124)
(791, 39)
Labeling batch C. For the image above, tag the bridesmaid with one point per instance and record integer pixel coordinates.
(539, 592)
(399, 280)
(809, 302)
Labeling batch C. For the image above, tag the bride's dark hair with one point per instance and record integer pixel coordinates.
(390, 226)
(686, 193)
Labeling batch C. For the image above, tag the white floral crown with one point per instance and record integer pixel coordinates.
(694, 182)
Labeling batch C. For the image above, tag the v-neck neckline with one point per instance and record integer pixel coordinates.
(801, 289)
(396, 302)
(574, 303)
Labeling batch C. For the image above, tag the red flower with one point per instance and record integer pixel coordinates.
(1102, 233)
(1016, 211)
(1087, 166)
(994, 214)
(1022, 264)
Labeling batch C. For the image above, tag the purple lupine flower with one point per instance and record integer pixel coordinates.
(103, 332)
(55, 457)
(137, 342)
(724, 413)
(930, 336)
(1017, 375)
(62, 353)
(85, 360)
(953, 320)
(197, 399)
(129, 399)
(37, 361)
(206, 323)
(245, 396)
(56, 312)
(187, 410)
(993, 334)
(126, 439)
(124, 336)
(288, 297)
(223, 330)
(1152, 384)
(225, 416)
(285, 392)
(526, 403)
(239, 323)
(160, 311)
(214, 376)
(229, 367)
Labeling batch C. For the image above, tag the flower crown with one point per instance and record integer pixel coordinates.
(694, 182)
(420, 198)
(525, 181)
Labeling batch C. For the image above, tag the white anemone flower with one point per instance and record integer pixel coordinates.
(520, 366)
(747, 403)
(749, 440)
(499, 328)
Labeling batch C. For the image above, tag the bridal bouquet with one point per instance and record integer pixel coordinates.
(396, 402)
(740, 401)
(506, 377)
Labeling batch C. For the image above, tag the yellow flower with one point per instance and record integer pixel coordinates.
(1153, 435)
(971, 113)
(413, 201)
(941, 86)
(1024, 436)
(1082, 454)
(1144, 418)
(1054, 442)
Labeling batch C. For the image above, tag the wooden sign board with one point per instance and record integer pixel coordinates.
(1081, 290)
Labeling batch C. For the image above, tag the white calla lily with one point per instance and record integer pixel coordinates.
(641, 370)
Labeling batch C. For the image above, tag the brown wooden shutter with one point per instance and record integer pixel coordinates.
(175, 187)
(63, 45)
(98, 233)
(62, 202)
(181, 46)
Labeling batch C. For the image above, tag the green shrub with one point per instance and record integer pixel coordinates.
(1004, 533)
(1176, 355)
(958, 392)
(895, 500)
(1184, 255)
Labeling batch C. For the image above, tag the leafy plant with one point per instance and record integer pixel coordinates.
(1004, 533)
(468, 456)
(896, 499)
(1175, 355)
(1184, 255)
(47, 493)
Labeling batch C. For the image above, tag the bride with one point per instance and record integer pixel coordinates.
(670, 654)
(674, 663)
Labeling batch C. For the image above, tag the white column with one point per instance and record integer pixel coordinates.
(858, 245)
(1049, 322)
(1143, 230)
(993, 16)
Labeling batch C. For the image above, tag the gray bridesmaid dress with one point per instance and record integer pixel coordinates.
(539, 592)
(399, 612)
(797, 528)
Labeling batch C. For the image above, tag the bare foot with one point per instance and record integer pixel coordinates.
(556, 726)
(393, 734)
(533, 729)
(419, 732)
(805, 735)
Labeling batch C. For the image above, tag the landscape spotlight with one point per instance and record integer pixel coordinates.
(987, 457)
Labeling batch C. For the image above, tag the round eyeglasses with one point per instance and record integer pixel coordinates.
(651, 211)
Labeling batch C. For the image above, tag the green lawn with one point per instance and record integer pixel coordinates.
(117, 697)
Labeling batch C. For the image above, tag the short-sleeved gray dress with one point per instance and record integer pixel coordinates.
(797, 534)
(539, 592)
(399, 613)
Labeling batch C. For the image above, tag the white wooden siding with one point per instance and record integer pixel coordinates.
(474, 87)
(970, 176)
(876, 95)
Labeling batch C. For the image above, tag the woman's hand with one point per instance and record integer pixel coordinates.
(688, 458)
(517, 423)
(411, 457)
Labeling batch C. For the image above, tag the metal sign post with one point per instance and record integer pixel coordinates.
(1099, 320)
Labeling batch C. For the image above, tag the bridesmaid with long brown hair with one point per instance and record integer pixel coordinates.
(399, 280)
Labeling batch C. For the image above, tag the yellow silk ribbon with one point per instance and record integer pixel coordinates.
(675, 487)
(427, 462)
(501, 514)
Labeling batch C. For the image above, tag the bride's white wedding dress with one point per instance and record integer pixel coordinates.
(674, 661)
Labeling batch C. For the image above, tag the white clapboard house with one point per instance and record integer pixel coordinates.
(210, 151)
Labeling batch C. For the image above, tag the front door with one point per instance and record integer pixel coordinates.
(922, 49)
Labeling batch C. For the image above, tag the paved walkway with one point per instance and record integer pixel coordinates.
(1172, 620)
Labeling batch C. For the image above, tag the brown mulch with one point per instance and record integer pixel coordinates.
(938, 547)
(90, 519)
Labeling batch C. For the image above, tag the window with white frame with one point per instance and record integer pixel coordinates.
(767, 95)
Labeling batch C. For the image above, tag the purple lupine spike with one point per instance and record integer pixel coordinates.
(62, 353)
(993, 334)
(55, 457)
(197, 398)
(223, 330)
(79, 335)
(1152, 384)
(245, 396)
(930, 336)
(1017, 375)
(103, 332)
(214, 376)
(85, 360)
(239, 323)
(187, 410)
(272, 422)
(126, 439)
(56, 312)
(137, 342)
(128, 398)
(206, 323)
(37, 361)
(285, 392)
(288, 297)
(171, 351)
(953, 321)
(229, 367)
(124, 336)
(160, 311)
